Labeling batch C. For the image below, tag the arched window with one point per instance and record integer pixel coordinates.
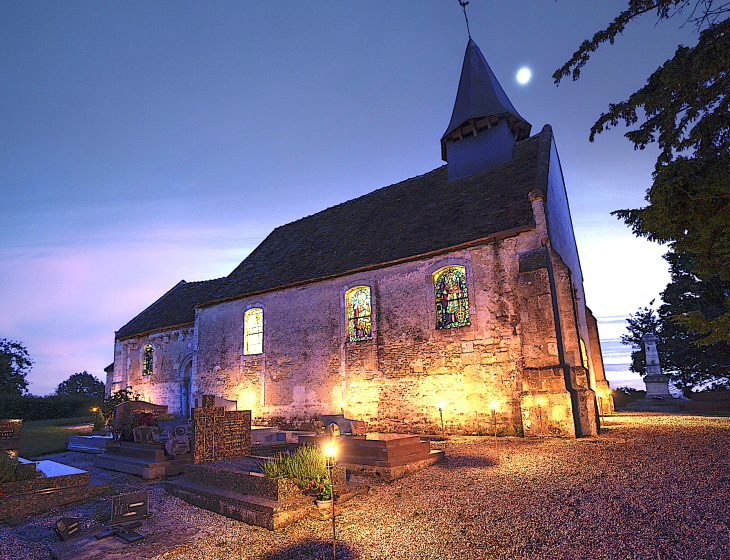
(253, 331)
(148, 354)
(357, 303)
(452, 301)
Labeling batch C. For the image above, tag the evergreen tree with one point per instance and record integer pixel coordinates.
(685, 108)
(688, 364)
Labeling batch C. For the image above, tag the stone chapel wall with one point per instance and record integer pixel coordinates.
(397, 380)
(172, 364)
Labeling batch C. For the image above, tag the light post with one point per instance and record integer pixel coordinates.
(539, 414)
(494, 415)
(600, 405)
(330, 455)
(441, 414)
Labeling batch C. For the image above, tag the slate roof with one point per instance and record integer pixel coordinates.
(175, 308)
(408, 220)
(422, 215)
(481, 95)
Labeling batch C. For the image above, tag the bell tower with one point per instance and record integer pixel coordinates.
(484, 125)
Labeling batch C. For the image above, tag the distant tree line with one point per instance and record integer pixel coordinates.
(74, 397)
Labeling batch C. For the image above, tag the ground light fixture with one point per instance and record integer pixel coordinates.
(600, 406)
(441, 414)
(495, 405)
(329, 454)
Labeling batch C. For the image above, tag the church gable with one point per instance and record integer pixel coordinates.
(175, 308)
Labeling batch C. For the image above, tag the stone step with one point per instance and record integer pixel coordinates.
(35, 502)
(142, 451)
(253, 510)
(248, 483)
(145, 469)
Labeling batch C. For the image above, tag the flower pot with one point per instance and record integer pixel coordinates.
(324, 504)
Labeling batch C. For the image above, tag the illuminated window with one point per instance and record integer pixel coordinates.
(357, 301)
(583, 354)
(147, 359)
(452, 301)
(253, 331)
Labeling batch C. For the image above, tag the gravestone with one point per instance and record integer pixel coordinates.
(130, 507)
(10, 437)
(175, 435)
(124, 412)
(220, 434)
(67, 527)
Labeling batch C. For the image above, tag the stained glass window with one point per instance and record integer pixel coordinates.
(147, 359)
(359, 325)
(253, 331)
(452, 301)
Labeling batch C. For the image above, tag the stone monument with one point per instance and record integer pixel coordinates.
(658, 398)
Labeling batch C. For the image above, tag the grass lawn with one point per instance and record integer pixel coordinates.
(49, 436)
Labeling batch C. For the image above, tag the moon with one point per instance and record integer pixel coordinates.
(524, 75)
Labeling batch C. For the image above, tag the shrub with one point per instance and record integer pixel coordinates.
(12, 470)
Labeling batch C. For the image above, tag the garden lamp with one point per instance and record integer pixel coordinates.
(329, 453)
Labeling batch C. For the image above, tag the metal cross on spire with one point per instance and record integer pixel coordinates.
(463, 7)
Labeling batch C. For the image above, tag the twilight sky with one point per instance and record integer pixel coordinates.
(142, 143)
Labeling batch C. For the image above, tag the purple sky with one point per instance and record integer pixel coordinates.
(142, 143)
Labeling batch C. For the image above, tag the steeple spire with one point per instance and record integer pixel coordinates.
(480, 106)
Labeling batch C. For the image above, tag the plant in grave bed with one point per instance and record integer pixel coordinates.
(12, 470)
(322, 487)
(301, 466)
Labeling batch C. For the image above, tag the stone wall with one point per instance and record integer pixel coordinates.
(173, 352)
(509, 354)
(521, 350)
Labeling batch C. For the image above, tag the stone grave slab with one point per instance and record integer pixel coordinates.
(385, 456)
(10, 437)
(160, 534)
(62, 485)
(233, 488)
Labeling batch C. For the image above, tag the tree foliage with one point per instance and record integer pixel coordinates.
(123, 395)
(688, 365)
(81, 385)
(685, 109)
(15, 364)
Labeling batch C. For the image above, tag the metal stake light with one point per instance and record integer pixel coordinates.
(330, 455)
(441, 413)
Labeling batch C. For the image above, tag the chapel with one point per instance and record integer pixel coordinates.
(451, 302)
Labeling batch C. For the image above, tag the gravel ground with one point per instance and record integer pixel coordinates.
(651, 487)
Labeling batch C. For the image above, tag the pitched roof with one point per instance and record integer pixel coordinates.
(175, 308)
(422, 215)
(481, 95)
(409, 220)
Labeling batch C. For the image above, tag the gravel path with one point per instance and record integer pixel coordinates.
(653, 487)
